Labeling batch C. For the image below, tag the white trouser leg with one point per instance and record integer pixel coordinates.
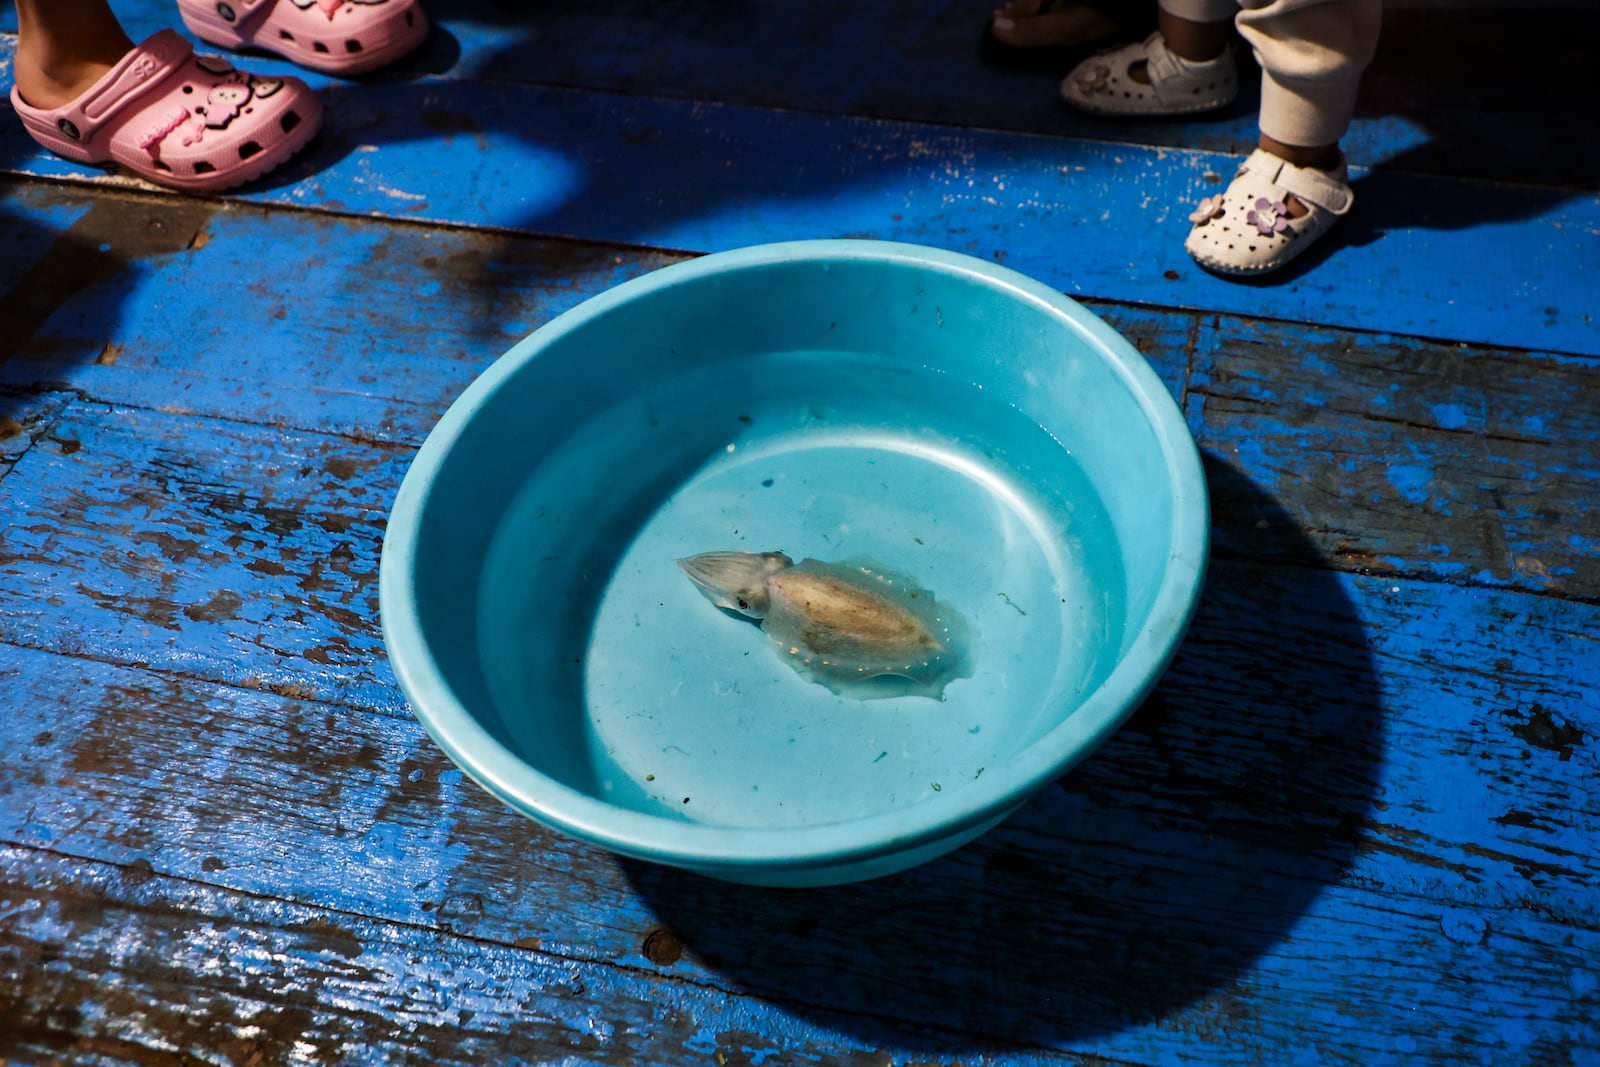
(1312, 53)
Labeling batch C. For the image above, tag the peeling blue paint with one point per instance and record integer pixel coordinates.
(1450, 416)
(1412, 481)
(278, 823)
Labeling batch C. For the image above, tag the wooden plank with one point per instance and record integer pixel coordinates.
(248, 313)
(157, 542)
(436, 307)
(33, 224)
(245, 553)
(1099, 220)
(107, 964)
(25, 419)
(236, 552)
(1356, 825)
(1294, 408)
(1402, 456)
(1346, 788)
(32, 229)
(122, 965)
(1421, 109)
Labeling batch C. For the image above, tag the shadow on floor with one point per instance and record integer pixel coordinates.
(1152, 877)
(843, 59)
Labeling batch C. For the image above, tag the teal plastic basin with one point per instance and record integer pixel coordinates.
(945, 419)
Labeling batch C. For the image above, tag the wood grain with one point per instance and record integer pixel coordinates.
(221, 549)
(437, 307)
(106, 964)
(1403, 456)
(1279, 807)
(1485, 430)
(1355, 824)
(149, 537)
(686, 176)
(234, 316)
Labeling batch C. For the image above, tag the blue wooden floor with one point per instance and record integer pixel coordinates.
(1358, 823)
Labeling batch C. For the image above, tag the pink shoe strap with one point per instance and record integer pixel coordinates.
(135, 74)
(242, 15)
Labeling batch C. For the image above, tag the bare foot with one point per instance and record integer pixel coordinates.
(61, 55)
(61, 85)
(1021, 24)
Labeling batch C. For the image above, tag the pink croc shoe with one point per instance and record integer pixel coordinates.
(181, 120)
(333, 36)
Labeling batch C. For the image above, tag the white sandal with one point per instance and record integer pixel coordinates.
(1101, 84)
(1247, 229)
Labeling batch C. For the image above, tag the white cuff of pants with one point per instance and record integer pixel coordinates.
(1201, 10)
(1305, 113)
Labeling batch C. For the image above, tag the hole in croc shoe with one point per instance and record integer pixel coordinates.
(352, 47)
(248, 149)
(203, 167)
(188, 88)
(156, 163)
(411, 19)
(289, 121)
(318, 46)
(285, 35)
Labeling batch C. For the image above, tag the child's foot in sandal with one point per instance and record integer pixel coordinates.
(333, 36)
(1149, 79)
(177, 119)
(1270, 213)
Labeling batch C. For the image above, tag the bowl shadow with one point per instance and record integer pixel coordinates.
(1154, 876)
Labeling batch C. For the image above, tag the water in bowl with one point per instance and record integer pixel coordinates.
(611, 672)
